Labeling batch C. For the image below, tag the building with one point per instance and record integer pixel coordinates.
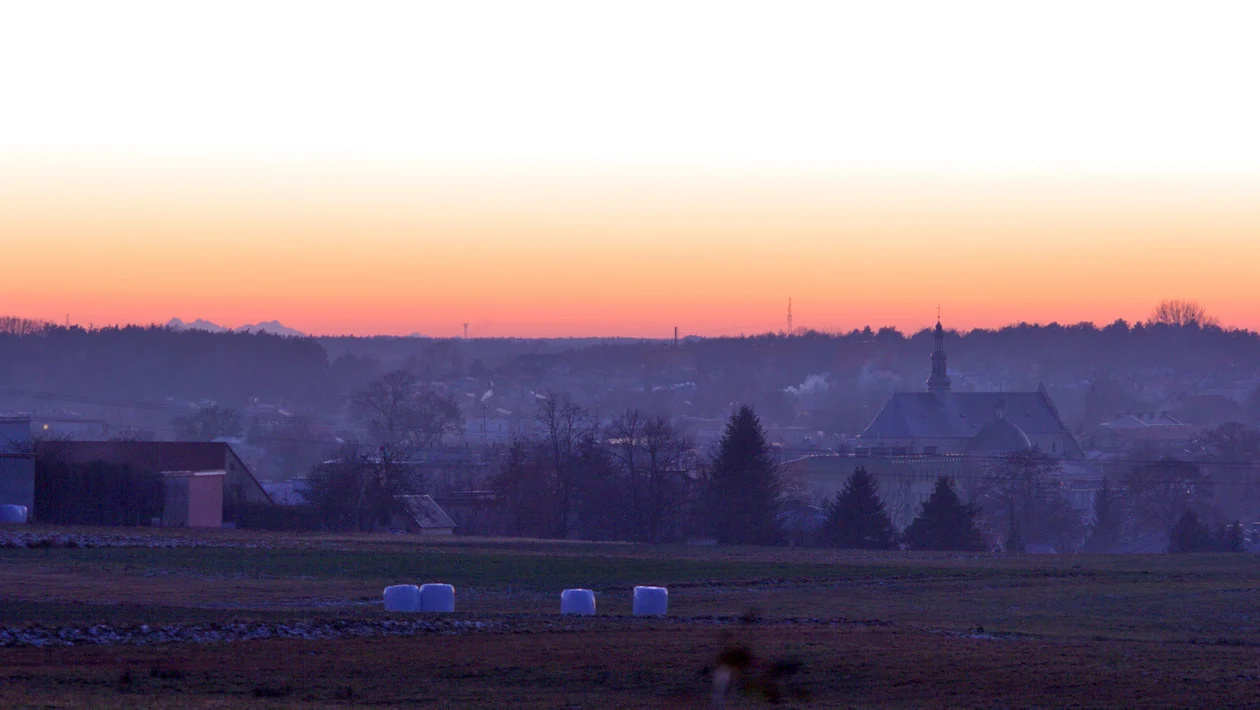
(919, 437)
(1158, 432)
(17, 463)
(420, 514)
(69, 427)
(939, 421)
(239, 484)
(290, 493)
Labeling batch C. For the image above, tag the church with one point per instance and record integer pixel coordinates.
(939, 421)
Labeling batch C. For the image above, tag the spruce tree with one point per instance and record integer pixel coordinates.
(1108, 520)
(945, 522)
(744, 497)
(1190, 535)
(857, 519)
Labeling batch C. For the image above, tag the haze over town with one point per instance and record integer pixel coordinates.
(665, 354)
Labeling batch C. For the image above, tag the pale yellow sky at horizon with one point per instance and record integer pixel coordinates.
(573, 168)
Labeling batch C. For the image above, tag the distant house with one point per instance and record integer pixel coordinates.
(71, 427)
(17, 463)
(793, 436)
(1159, 431)
(291, 492)
(202, 482)
(420, 514)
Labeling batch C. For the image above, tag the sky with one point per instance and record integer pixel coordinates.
(564, 169)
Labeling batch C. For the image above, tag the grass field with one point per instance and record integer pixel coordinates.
(856, 629)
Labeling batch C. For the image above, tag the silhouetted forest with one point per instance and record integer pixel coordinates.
(830, 382)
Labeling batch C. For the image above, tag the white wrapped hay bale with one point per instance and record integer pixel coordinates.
(577, 601)
(437, 597)
(402, 597)
(13, 513)
(651, 601)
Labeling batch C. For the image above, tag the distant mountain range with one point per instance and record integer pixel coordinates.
(274, 327)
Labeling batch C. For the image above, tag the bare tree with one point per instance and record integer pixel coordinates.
(12, 325)
(1022, 492)
(625, 438)
(670, 458)
(525, 494)
(564, 425)
(1161, 491)
(1182, 314)
(358, 490)
(655, 458)
(404, 416)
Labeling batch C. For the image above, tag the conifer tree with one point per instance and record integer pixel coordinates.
(945, 522)
(1108, 521)
(1190, 535)
(745, 485)
(857, 519)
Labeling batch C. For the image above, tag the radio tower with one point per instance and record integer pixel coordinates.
(789, 330)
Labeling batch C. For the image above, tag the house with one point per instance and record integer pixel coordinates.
(239, 484)
(70, 427)
(291, 492)
(420, 514)
(203, 482)
(940, 421)
(1158, 431)
(17, 463)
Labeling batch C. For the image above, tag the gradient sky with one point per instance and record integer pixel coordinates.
(620, 169)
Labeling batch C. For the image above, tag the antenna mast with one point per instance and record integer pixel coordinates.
(789, 330)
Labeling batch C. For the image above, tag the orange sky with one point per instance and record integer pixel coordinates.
(329, 249)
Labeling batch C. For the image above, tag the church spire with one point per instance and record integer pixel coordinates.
(939, 381)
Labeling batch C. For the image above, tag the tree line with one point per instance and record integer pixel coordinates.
(639, 477)
(1019, 502)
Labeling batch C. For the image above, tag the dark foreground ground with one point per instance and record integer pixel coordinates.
(236, 619)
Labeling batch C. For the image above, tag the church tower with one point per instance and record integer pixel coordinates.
(939, 381)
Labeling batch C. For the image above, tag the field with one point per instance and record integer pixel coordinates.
(225, 619)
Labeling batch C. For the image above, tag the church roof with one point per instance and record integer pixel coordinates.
(999, 436)
(961, 415)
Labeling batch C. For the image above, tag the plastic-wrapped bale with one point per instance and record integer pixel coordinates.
(437, 597)
(402, 597)
(577, 601)
(651, 601)
(13, 514)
